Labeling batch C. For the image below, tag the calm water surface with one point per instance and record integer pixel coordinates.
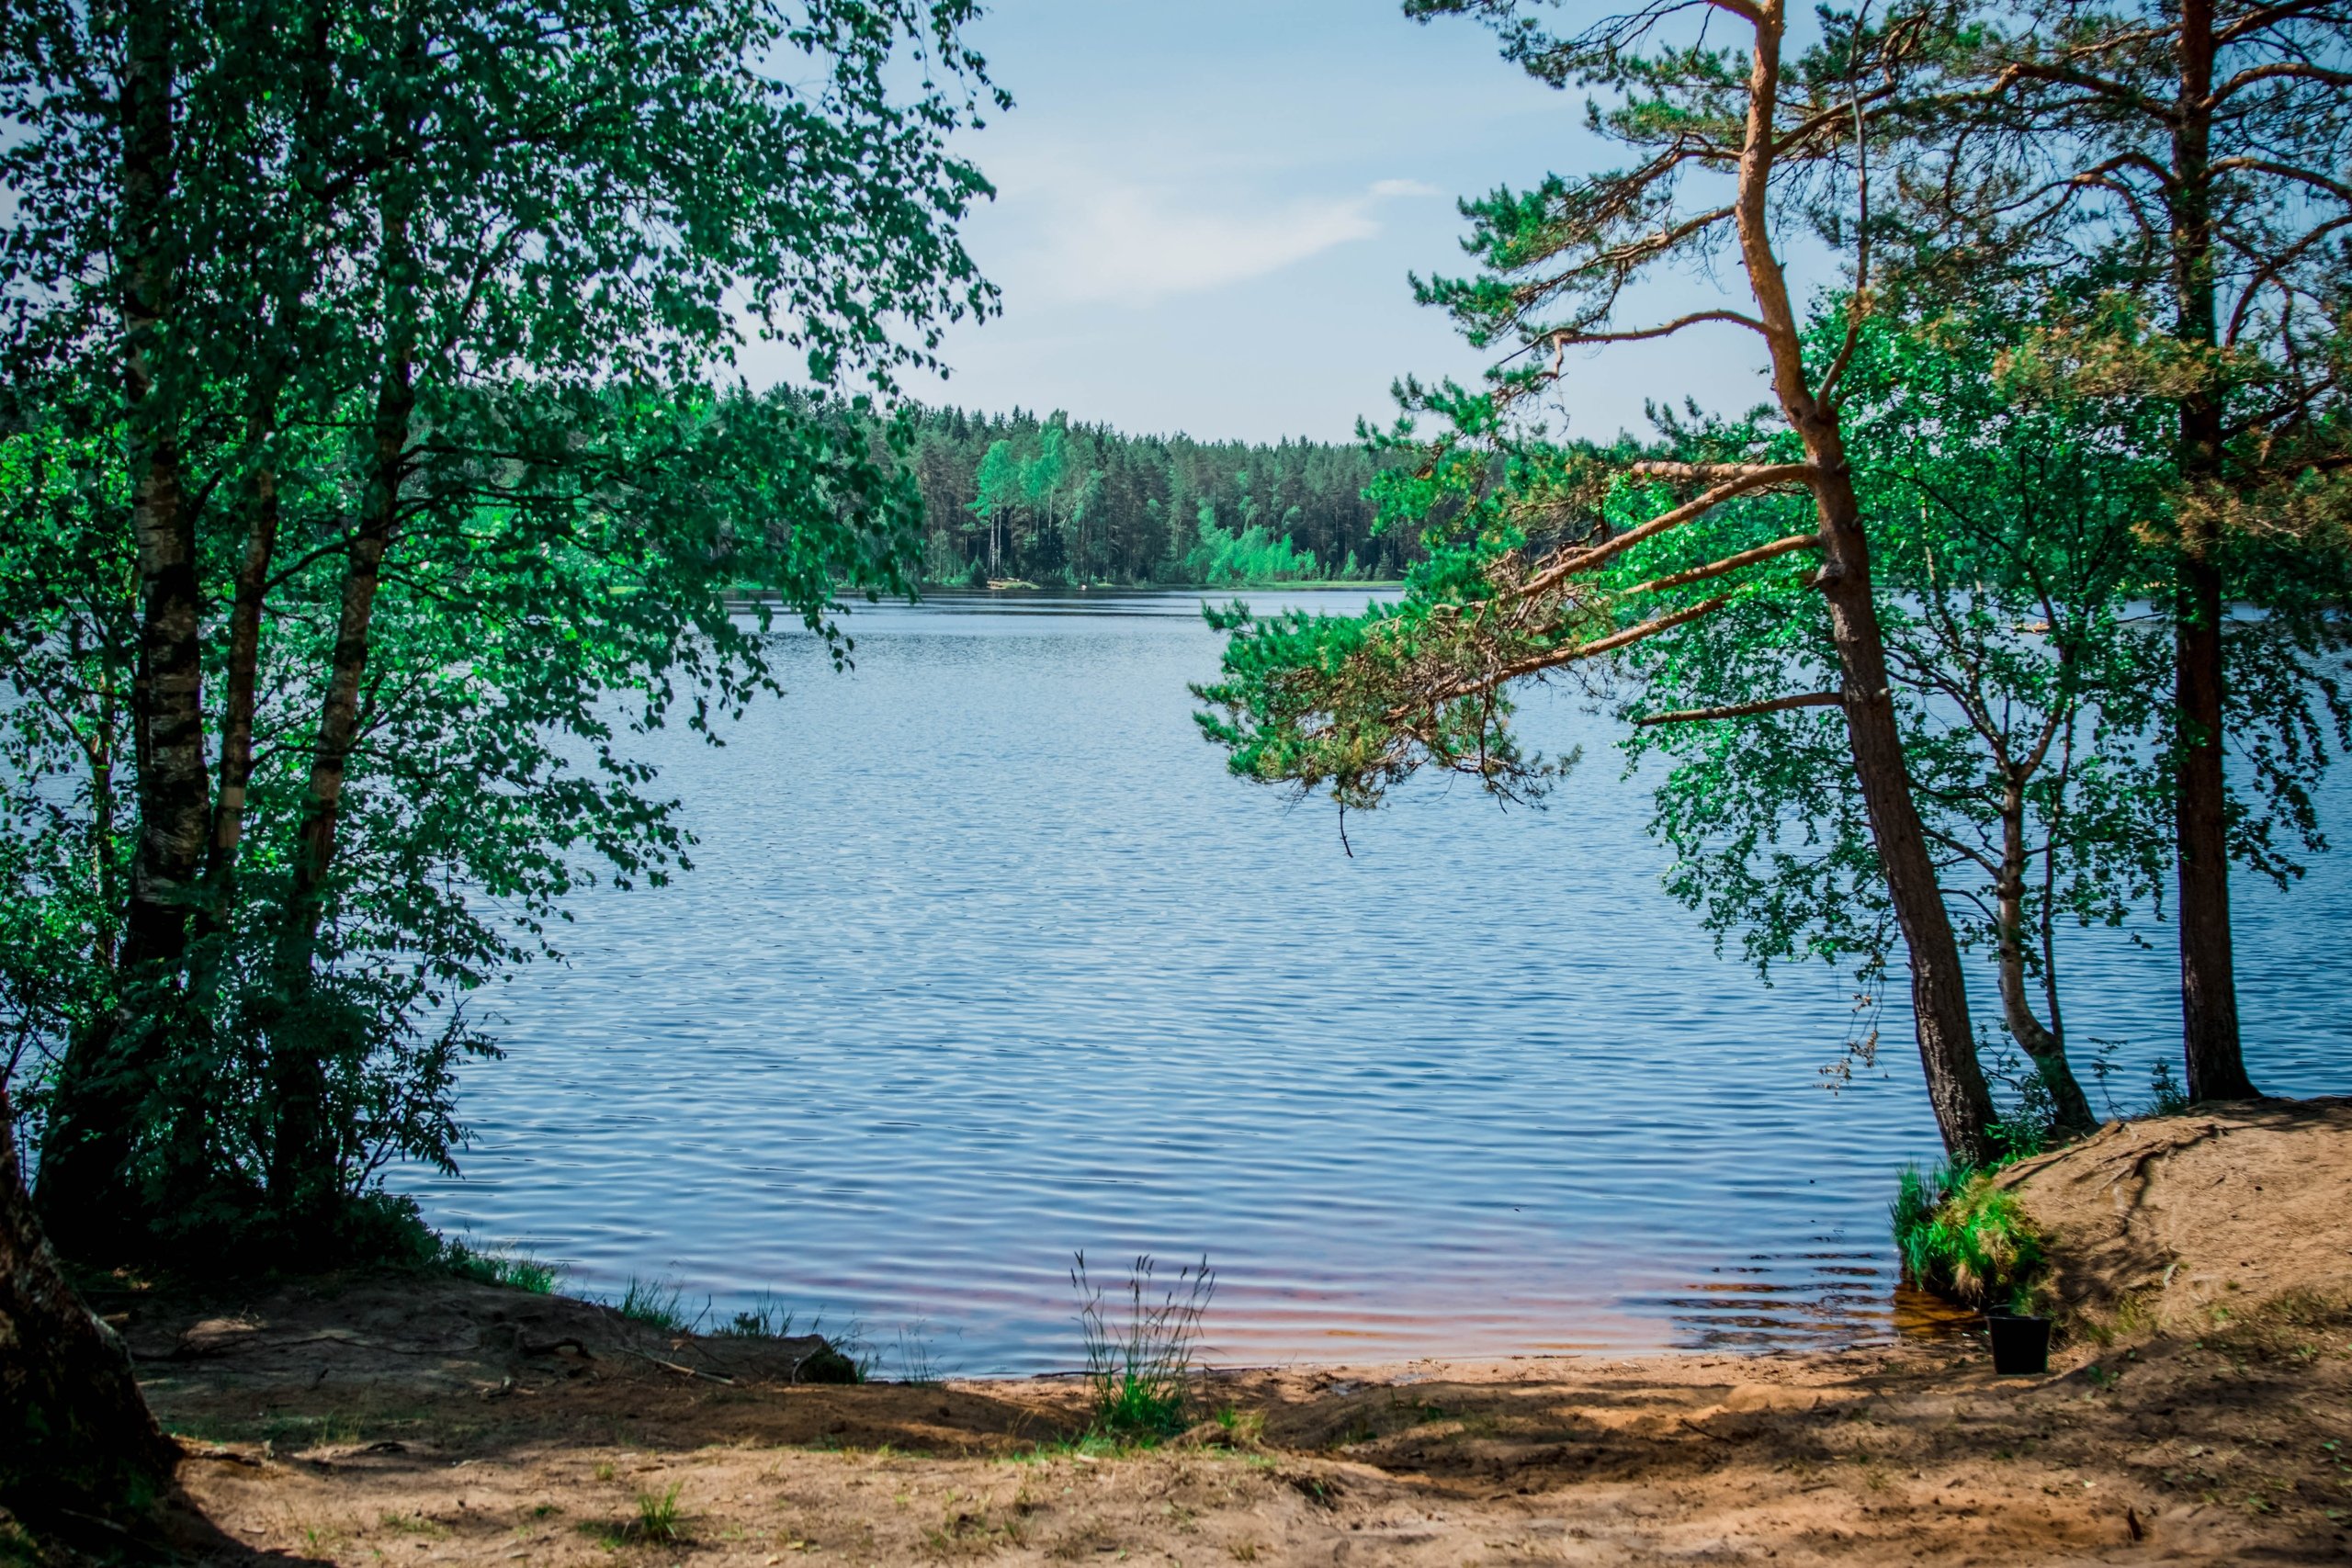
(987, 960)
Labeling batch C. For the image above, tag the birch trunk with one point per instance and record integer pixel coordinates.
(302, 1161)
(106, 1078)
(2042, 1043)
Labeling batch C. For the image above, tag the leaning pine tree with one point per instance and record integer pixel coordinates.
(1541, 556)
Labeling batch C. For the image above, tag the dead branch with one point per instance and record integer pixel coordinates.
(1609, 644)
(1728, 563)
(1741, 710)
(684, 1371)
(1716, 472)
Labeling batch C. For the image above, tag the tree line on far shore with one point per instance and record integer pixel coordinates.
(1045, 501)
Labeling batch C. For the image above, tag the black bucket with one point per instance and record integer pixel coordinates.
(2021, 1344)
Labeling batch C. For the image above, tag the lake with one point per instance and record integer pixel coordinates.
(987, 960)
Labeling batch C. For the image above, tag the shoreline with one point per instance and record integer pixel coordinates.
(931, 591)
(2198, 1413)
(363, 1427)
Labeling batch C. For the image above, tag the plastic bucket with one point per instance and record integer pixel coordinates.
(2021, 1344)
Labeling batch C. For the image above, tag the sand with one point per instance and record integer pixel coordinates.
(2201, 1413)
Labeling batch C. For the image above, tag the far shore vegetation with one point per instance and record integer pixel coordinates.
(1016, 499)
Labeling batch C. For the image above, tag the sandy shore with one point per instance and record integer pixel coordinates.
(403, 1421)
(2175, 1452)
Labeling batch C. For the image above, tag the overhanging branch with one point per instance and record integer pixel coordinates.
(1743, 478)
(1567, 338)
(1609, 644)
(1553, 658)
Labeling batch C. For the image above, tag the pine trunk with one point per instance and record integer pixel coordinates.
(2216, 1065)
(1956, 1089)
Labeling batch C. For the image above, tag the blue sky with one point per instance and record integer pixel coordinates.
(1207, 209)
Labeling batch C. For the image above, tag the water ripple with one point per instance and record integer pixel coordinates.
(986, 960)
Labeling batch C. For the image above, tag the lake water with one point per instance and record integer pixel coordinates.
(988, 960)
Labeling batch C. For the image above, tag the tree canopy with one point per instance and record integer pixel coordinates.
(426, 491)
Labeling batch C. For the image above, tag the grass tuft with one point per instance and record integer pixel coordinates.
(917, 1364)
(657, 1514)
(515, 1270)
(1140, 1360)
(1963, 1237)
(659, 1303)
(767, 1318)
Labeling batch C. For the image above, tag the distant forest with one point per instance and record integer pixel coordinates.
(1043, 500)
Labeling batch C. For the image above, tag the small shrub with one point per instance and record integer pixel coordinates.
(1961, 1236)
(1139, 1363)
(827, 1364)
(838, 1359)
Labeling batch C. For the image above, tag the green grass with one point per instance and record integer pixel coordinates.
(657, 1514)
(1086, 1445)
(515, 1270)
(17, 1548)
(767, 1318)
(1961, 1236)
(659, 1303)
(1140, 1359)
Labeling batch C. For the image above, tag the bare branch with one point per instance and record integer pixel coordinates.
(2272, 269)
(2275, 70)
(1729, 563)
(2271, 15)
(1741, 710)
(2070, 76)
(1705, 472)
(2317, 181)
(1566, 338)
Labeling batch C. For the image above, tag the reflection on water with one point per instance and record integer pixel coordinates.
(987, 960)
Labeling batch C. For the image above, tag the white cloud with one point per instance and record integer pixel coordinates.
(1130, 244)
(1404, 187)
